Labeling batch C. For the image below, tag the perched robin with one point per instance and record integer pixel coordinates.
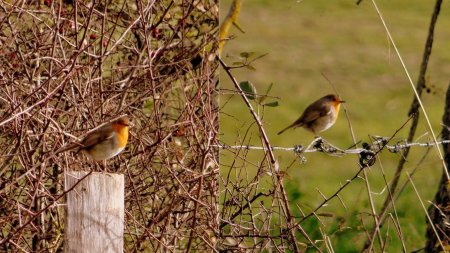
(104, 142)
(319, 116)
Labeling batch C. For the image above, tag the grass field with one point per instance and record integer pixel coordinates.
(349, 45)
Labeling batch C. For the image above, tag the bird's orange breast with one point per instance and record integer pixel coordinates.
(334, 115)
(122, 134)
(337, 106)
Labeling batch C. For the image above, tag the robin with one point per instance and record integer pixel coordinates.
(319, 116)
(104, 142)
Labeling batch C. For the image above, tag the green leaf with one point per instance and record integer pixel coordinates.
(271, 104)
(246, 54)
(250, 67)
(248, 89)
(263, 97)
(259, 57)
(269, 88)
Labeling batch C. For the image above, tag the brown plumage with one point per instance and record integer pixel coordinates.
(318, 116)
(104, 142)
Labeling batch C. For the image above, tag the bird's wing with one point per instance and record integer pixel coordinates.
(97, 136)
(313, 115)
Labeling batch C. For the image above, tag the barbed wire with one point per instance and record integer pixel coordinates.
(367, 153)
(313, 147)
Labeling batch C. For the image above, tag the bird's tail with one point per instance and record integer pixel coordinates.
(67, 147)
(282, 131)
(293, 125)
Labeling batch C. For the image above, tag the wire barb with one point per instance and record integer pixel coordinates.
(367, 153)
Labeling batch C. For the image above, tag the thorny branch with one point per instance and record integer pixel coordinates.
(68, 66)
(273, 163)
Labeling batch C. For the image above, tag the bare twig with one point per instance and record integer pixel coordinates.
(414, 107)
(68, 66)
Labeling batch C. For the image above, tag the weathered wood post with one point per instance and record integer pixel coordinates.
(95, 212)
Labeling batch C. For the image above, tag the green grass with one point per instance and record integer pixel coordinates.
(349, 45)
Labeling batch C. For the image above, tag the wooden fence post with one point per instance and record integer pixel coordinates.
(95, 212)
